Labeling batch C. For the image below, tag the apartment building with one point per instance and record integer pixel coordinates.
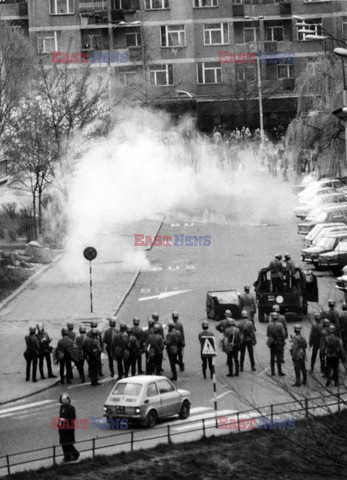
(192, 55)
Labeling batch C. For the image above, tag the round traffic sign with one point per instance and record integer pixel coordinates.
(90, 253)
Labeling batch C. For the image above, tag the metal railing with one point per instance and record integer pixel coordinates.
(118, 442)
(87, 6)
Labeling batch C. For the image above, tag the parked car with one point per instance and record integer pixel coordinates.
(327, 243)
(313, 187)
(328, 199)
(145, 399)
(307, 179)
(334, 260)
(341, 282)
(320, 228)
(310, 197)
(331, 214)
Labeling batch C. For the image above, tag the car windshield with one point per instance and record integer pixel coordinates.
(326, 242)
(130, 389)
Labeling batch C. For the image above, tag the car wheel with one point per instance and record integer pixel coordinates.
(185, 410)
(151, 419)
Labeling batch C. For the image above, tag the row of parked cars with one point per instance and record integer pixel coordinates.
(323, 211)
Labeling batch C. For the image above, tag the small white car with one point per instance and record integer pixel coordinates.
(146, 398)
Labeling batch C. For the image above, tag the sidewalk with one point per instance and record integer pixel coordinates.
(54, 299)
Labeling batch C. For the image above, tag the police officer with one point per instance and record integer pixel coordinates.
(281, 318)
(343, 326)
(333, 353)
(45, 351)
(31, 353)
(206, 359)
(71, 334)
(91, 334)
(276, 272)
(323, 335)
(79, 359)
(146, 334)
(276, 340)
(107, 341)
(155, 318)
(118, 349)
(290, 271)
(179, 327)
(93, 351)
(139, 334)
(248, 303)
(155, 346)
(298, 351)
(134, 352)
(224, 324)
(333, 315)
(248, 339)
(232, 342)
(173, 343)
(126, 353)
(63, 352)
(314, 341)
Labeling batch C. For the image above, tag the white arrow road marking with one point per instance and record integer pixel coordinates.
(175, 225)
(222, 395)
(189, 224)
(164, 295)
(157, 269)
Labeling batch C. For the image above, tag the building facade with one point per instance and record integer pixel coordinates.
(190, 55)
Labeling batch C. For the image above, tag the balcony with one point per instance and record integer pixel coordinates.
(13, 10)
(89, 7)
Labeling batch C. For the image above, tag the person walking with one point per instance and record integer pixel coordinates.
(298, 352)
(66, 428)
(31, 354)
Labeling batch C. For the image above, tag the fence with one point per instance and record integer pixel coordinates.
(316, 406)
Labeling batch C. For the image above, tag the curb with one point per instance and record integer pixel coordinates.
(40, 272)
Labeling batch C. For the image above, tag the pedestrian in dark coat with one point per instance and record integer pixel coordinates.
(31, 353)
(67, 428)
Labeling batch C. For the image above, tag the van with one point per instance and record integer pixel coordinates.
(328, 214)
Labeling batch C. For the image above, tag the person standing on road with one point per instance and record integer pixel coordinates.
(232, 342)
(155, 318)
(224, 324)
(45, 351)
(63, 355)
(179, 327)
(155, 347)
(79, 359)
(298, 351)
(333, 353)
(91, 334)
(139, 334)
(107, 341)
(281, 318)
(146, 334)
(206, 359)
(276, 340)
(173, 343)
(314, 341)
(324, 334)
(31, 353)
(343, 326)
(134, 352)
(118, 348)
(66, 427)
(333, 316)
(126, 353)
(93, 351)
(71, 334)
(248, 303)
(248, 339)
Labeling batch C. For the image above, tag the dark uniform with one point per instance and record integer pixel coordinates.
(173, 344)
(99, 337)
(45, 351)
(66, 429)
(333, 316)
(139, 334)
(134, 353)
(298, 352)
(155, 347)
(323, 335)
(206, 359)
(248, 303)
(31, 353)
(155, 317)
(107, 340)
(343, 326)
(118, 349)
(79, 353)
(146, 335)
(248, 340)
(224, 324)
(314, 342)
(92, 350)
(277, 275)
(232, 342)
(64, 352)
(281, 319)
(333, 353)
(289, 271)
(276, 340)
(179, 327)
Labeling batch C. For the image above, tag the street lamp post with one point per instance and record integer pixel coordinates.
(260, 95)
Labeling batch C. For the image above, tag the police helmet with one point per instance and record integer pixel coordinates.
(39, 326)
(247, 287)
(64, 398)
(332, 328)
(175, 315)
(227, 313)
(297, 328)
(94, 332)
(64, 331)
(244, 314)
(136, 321)
(287, 256)
(70, 326)
(112, 322)
(156, 326)
(155, 316)
(275, 316)
(171, 325)
(32, 330)
(231, 321)
(83, 329)
(93, 324)
(123, 326)
(276, 308)
(150, 323)
(205, 324)
(331, 303)
(326, 322)
(278, 256)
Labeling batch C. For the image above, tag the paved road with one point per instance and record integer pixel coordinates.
(247, 227)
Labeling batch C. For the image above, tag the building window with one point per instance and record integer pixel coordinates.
(274, 34)
(173, 36)
(246, 72)
(156, 4)
(92, 42)
(161, 75)
(210, 72)
(47, 42)
(126, 4)
(251, 34)
(314, 25)
(216, 34)
(285, 71)
(344, 28)
(128, 79)
(205, 3)
(61, 7)
(133, 39)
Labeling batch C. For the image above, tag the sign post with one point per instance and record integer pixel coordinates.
(209, 350)
(90, 254)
